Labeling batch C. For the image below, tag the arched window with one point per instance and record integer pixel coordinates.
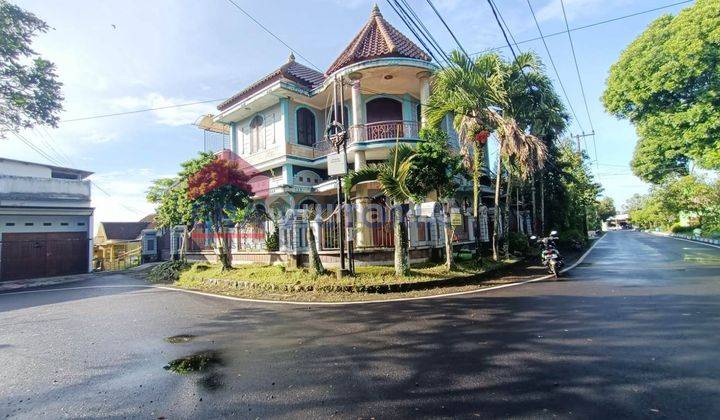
(383, 109)
(255, 133)
(305, 127)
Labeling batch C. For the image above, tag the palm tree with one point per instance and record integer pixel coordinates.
(468, 90)
(476, 92)
(391, 176)
(538, 110)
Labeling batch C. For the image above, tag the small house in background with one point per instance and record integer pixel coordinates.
(45, 220)
(120, 245)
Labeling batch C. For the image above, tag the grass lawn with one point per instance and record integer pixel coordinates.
(370, 282)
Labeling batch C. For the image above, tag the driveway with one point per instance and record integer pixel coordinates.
(631, 332)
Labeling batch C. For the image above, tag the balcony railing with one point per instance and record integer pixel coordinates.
(386, 130)
(376, 131)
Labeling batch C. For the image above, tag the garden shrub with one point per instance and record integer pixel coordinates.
(167, 272)
(519, 243)
(687, 230)
(569, 236)
(272, 243)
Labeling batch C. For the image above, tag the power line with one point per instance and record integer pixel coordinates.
(37, 150)
(273, 35)
(578, 28)
(502, 29)
(426, 30)
(418, 37)
(577, 70)
(552, 63)
(137, 111)
(448, 28)
(56, 162)
(591, 25)
(496, 13)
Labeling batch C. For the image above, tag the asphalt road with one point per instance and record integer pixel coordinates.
(634, 331)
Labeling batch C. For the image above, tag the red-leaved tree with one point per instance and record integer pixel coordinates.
(216, 191)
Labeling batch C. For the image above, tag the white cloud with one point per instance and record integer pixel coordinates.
(126, 201)
(175, 116)
(97, 137)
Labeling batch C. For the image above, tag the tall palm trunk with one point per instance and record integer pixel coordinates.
(506, 217)
(542, 204)
(316, 266)
(476, 196)
(448, 230)
(402, 244)
(533, 192)
(496, 211)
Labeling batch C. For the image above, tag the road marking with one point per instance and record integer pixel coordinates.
(289, 302)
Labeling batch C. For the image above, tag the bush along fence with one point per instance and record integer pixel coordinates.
(372, 239)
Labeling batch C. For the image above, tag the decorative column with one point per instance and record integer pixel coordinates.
(363, 233)
(424, 77)
(357, 130)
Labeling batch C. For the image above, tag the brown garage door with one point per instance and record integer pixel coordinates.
(30, 255)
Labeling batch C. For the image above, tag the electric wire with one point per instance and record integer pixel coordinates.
(577, 28)
(582, 88)
(419, 38)
(271, 33)
(448, 28)
(554, 67)
(591, 25)
(425, 28)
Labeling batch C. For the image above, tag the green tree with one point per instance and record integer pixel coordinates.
(572, 188)
(170, 195)
(219, 191)
(667, 83)
(605, 208)
(468, 90)
(29, 90)
(434, 170)
(391, 175)
(476, 93)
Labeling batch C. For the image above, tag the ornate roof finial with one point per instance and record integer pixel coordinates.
(375, 11)
(292, 57)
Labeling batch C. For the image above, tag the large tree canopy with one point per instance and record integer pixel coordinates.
(667, 82)
(29, 89)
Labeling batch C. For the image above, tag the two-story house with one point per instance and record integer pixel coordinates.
(45, 220)
(278, 125)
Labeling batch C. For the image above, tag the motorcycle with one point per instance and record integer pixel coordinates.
(549, 254)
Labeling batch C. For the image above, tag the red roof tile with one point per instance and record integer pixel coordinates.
(375, 40)
(292, 70)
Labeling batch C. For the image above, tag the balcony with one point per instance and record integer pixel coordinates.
(372, 132)
(386, 130)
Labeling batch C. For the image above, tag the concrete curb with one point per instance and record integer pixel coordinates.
(715, 243)
(296, 303)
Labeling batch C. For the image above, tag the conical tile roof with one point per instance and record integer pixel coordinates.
(375, 40)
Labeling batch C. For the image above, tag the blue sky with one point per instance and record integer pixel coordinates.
(123, 55)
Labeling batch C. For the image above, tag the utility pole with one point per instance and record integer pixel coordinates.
(579, 151)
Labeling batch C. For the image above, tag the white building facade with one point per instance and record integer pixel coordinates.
(45, 220)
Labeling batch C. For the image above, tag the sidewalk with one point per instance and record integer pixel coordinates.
(11, 285)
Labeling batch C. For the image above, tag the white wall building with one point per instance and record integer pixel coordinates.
(45, 220)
